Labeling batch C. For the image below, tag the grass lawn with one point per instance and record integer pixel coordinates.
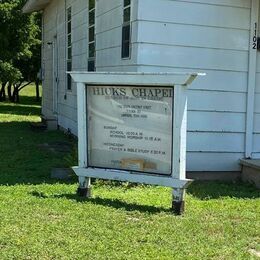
(41, 218)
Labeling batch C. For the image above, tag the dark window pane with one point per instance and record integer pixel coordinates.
(69, 82)
(91, 18)
(69, 14)
(91, 34)
(69, 27)
(127, 2)
(69, 40)
(91, 65)
(125, 41)
(91, 4)
(69, 65)
(91, 50)
(126, 33)
(126, 50)
(127, 14)
(69, 53)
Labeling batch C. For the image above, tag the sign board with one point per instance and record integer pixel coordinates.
(130, 128)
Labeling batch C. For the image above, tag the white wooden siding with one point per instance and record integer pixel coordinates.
(209, 36)
(108, 39)
(51, 28)
(109, 20)
(218, 122)
(192, 57)
(194, 36)
(196, 13)
(55, 24)
(256, 136)
(214, 161)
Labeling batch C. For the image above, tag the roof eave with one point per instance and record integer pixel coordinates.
(35, 5)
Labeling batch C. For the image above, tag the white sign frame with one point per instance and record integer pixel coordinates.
(179, 82)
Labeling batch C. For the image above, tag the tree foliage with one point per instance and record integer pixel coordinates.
(19, 47)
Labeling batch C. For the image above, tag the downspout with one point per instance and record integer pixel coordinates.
(251, 78)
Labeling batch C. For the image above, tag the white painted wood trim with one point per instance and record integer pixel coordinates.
(179, 133)
(251, 80)
(82, 125)
(131, 177)
(35, 5)
(183, 103)
(128, 78)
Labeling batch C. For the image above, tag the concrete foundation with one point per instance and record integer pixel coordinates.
(50, 122)
(251, 171)
(214, 176)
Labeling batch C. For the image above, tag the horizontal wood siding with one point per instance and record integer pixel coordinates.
(55, 25)
(49, 31)
(217, 161)
(109, 20)
(256, 138)
(109, 15)
(209, 36)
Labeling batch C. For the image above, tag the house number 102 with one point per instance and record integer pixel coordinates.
(255, 38)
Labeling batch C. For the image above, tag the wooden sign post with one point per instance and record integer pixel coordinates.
(132, 127)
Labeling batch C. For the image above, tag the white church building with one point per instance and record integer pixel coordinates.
(216, 37)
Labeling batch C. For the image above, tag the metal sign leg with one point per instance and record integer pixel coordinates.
(178, 201)
(84, 189)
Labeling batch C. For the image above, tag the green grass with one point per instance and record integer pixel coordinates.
(41, 218)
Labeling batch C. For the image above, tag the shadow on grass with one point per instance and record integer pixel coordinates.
(27, 157)
(20, 110)
(206, 190)
(27, 106)
(29, 100)
(113, 203)
(199, 190)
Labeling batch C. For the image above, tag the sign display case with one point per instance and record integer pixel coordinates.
(132, 127)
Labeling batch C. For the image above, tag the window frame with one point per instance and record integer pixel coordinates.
(91, 30)
(126, 29)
